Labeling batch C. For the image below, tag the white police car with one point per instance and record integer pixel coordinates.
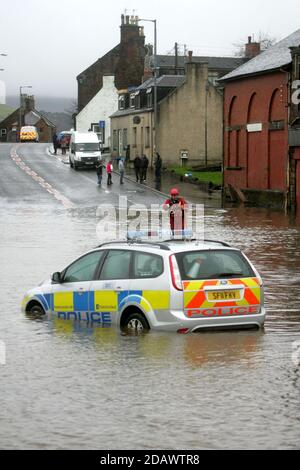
(172, 286)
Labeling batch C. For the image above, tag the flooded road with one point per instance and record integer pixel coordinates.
(69, 386)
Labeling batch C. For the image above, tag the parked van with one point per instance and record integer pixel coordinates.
(29, 134)
(84, 150)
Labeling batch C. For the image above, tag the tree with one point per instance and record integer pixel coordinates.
(265, 40)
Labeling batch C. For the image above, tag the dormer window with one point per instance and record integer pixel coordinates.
(137, 100)
(149, 98)
(132, 100)
(122, 102)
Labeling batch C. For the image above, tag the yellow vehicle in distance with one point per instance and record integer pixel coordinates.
(29, 134)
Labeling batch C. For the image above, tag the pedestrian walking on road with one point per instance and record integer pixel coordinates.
(99, 171)
(54, 141)
(137, 162)
(109, 170)
(121, 170)
(158, 167)
(144, 167)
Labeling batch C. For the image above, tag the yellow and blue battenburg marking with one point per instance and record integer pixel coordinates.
(99, 306)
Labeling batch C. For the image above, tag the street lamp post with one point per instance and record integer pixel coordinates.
(20, 114)
(155, 85)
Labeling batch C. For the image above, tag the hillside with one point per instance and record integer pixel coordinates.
(62, 121)
(5, 111)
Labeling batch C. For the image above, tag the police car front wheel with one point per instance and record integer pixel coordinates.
(36, 310)
(136, 322)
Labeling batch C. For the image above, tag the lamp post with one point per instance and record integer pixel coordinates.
(20, 115)
(155, 85)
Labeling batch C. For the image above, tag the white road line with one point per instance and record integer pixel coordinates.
(38, 179)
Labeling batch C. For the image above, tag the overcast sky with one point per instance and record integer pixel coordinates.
(50, 43)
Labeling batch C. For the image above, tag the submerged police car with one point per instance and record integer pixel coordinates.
(173, 286)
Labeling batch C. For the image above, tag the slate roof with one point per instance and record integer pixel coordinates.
(216, 63)
(273, 58)
(165, 81)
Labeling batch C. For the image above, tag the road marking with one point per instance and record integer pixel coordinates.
(43, 183)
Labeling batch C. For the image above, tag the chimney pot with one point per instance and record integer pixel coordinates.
(252, 49)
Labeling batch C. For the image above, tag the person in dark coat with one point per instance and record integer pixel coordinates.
(137, 162)
(99, 171)
(158, 167)
(54, 141)
(144, 167)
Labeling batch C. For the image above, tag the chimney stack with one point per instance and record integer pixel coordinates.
(252, 49)
(190, 56)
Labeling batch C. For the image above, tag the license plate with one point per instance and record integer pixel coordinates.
(215, 296)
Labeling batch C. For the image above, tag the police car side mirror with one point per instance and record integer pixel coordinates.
(56, 278)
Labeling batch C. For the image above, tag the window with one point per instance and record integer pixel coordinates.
(132, 100)
(115, 140)
(116, 265)
(122, 102)
(125, 139)
(147, 266)
(134, 137)
(147, 142)
(3, 131)
(87, 147)
(137, 100)
(213, 265)
(84, 268)
(149, 98)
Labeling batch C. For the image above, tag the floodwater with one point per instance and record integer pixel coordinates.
(69, 386)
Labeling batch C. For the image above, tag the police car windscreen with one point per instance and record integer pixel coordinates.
(209, 264)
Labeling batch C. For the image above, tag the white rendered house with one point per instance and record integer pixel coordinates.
(99, 109)
(2, 92)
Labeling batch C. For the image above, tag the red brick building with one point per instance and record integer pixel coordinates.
(262, 126)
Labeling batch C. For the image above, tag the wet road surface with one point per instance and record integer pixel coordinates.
(67, 385)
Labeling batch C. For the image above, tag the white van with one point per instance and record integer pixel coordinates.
(84, 150)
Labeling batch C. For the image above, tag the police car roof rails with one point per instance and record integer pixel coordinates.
(174, 240)
(218, 242)
(137, 242)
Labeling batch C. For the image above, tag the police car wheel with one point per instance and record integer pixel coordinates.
(136, 322)
(36, 310)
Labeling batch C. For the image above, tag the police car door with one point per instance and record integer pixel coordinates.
(71, 297)
(111, 289)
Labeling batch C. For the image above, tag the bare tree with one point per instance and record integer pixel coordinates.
(264, 39)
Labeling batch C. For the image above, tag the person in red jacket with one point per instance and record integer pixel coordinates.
(176, 206)
(109, 170)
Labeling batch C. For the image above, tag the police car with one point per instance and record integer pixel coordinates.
(172, 286)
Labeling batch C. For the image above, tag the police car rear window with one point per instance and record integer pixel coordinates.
(213, 264)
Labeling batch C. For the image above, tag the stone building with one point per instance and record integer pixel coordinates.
(262, 126)
(10, 126)
(190, 113)
(98, 85)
